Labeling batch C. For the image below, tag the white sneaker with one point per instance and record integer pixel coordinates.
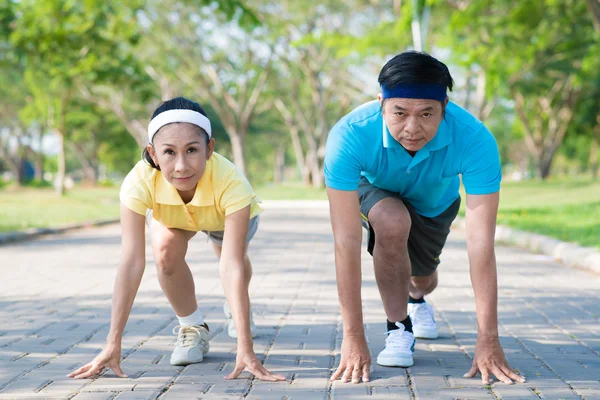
(192, 344)
(399, 348)
(231, 326)
(421, 315)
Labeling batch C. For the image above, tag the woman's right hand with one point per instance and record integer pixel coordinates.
(246, 360)
(110, 357)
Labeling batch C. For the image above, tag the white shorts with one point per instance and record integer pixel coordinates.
(217, 236)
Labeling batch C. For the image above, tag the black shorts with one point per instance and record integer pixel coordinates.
(427, 236)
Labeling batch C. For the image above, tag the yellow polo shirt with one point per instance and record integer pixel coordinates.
(221, 191)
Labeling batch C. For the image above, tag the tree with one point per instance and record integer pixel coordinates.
(315, 84)
(12, 97)
(594, 7)
(64, 43)
(532, 52)
(182, 53)
(226, 67)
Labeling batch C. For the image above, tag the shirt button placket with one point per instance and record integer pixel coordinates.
(190, 213)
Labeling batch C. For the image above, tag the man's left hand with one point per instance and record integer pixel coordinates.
(489, 359)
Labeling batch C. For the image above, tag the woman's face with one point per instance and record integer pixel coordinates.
(181, 151)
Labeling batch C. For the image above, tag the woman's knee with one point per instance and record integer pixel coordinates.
(169, 253)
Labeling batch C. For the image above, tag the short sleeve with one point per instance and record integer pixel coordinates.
(481, 168)
(134, 193)
(236, 193)
(342, 165)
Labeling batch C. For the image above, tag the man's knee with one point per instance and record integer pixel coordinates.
(425, 284)
(391, 222)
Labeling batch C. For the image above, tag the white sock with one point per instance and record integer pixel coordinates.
(194, 318)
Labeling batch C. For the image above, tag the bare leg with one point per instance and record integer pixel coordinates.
(391, 222)
(423, 285)
(174, 275)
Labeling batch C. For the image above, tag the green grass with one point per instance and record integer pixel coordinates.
(42, 208)
(567, 209)
(290, 191)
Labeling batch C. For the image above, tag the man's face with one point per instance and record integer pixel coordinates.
(412, 122)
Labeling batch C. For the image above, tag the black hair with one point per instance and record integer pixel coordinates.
(415, 67)
(178, 103)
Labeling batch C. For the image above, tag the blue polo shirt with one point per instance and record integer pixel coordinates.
(361, 145)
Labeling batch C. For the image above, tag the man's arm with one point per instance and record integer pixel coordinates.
(344, 210)
(481, 228)
(489, 357)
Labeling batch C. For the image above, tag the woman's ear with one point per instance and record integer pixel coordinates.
(152, 154)
(210, 147)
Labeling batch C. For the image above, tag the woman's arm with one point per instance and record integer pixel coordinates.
(233, 274)
(129, 275)
(235, 278)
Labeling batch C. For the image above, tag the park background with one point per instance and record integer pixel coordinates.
(80, 79)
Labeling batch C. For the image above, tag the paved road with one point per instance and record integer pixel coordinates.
(55, 302)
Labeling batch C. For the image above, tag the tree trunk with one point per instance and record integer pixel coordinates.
(90, 174)
(39, 166)
(62, 164)
(89, 167)
(317, 175)
(15, 168)
(279, 165)
(297, 146)
(544, 166)
(468, 89)
(420, 24)
(237, 148)
(292, 125)
(38, 163)
(594, 7)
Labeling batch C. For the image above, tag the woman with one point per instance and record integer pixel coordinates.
(182, 187)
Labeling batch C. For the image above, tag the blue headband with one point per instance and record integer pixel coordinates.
(433, 91)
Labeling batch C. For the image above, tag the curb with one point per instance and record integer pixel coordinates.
(32, 233)
(571, 254)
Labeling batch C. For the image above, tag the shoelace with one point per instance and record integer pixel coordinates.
(187, 335)
(424, 314)
(398, 340)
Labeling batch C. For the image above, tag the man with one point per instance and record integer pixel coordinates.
(393, 165)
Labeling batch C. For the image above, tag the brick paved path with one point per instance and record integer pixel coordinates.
(55, 303)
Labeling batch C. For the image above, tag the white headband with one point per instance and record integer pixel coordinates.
(168, 117)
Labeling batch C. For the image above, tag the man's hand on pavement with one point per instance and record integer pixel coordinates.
(355, 362)
(489, 359)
